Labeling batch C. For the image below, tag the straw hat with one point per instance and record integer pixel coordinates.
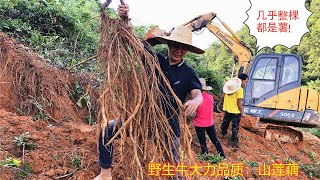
(204, 85)
(183, 35)
(232, 85)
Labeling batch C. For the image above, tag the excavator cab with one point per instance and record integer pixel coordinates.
(274, 91)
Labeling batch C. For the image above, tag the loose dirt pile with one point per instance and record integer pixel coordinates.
(58, 147)
(66, 146)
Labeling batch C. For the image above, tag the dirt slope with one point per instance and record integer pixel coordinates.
(66, 148)
(59, 131)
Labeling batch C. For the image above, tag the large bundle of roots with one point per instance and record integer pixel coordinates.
(132, 91)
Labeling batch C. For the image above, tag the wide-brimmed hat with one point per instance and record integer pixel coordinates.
(183, 35)
(204, 85)
(232, 85)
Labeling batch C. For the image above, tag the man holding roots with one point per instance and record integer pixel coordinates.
(182, 78)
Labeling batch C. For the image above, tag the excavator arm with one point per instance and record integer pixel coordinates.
(241, 52)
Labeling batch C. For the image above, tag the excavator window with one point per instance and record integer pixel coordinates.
(290, 72)
(264, 77)
(261, 88)
(265, 69)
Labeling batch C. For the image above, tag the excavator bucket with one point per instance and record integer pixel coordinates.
(253, 124)
(250, 122)
(283, 134)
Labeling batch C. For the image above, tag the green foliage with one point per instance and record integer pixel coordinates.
(10, 162)
(313, 155)
(24, 171)
(40, 115)
(78, 95)
(217, 62)
(53, 27)
(314, 131)
(288, 160)
(309, 48)
(23, 140)
(201, 66)
(54, 156)
(250, 41)
(219, 58)
(90, 118)
(213, 79)
(211, 158)
(315, 84)
(311, 170)
(141, 30)
(251, 163)
(161, 48)
(76, 161)
(20, 110)
(41, 104)
(16, 163)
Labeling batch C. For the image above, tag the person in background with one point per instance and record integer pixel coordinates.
(203, 121)
(232, 107)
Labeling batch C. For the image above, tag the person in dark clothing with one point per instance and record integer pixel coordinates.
(183, 79)
(232, 106)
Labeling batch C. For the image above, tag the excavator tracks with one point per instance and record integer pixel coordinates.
(283, 134)
(271, 132)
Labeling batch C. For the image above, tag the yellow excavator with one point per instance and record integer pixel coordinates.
(273, 91)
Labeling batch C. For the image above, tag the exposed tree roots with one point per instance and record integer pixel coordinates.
(132, 91)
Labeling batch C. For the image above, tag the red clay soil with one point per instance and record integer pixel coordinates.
(254, 149)
(56, 145)
(59, 142)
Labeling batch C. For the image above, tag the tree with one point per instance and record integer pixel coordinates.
(309, 48)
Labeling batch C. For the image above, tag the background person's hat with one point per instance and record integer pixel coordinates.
(183, 35)
(232, 85)
(204, 85)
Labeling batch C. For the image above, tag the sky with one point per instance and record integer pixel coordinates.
(170, 13)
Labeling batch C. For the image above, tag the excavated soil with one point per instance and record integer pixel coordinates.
(68, 138)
